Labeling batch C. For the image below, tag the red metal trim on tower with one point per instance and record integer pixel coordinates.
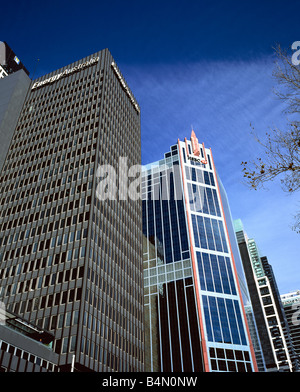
(234, 268)
(203, 341)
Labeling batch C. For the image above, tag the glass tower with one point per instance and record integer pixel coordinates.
(70, 262)
(194, 313)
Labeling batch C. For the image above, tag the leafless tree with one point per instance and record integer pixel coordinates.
(281, 148)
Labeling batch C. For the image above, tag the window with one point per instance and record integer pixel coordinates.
(73, 343)
(68, 319)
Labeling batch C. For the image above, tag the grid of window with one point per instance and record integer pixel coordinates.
(172, 333)
(37, 364)
(203, 199)
(59, 244)
(226, 360)
(164, 220)
(223, 320)
(166, 273)
(215, 273)
(209, 233)
(199, 175)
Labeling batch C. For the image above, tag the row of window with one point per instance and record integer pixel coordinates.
(194, 162)
(40, 141)
(48, 280)
(37, 264)
(64, 239)
(95, 325)
(164, 222)
(42, 201)
(61, 107)
(37, 246)
(62, 223)
(80, 151)
(43, 281)
(34, 191)
(63, 90)
(162, 184)
(108, 359)
(39, 138)
(215, 273)
(222, 365)
(59, 321)
(230, 360)
(47, 301)
(130, 281)
(223, 320)
(120, 289)
(28, 357)
(45, 213)
(209, 233)
(203, 199)
(164, 226)
(199, 175)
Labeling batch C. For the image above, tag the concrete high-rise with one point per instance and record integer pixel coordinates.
(194, 313)
(70, 262)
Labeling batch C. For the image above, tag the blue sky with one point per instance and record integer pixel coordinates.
(206, 64)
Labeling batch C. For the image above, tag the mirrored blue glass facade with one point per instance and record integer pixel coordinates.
(188, 263)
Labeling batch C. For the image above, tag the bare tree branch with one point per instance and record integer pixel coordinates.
(281, 149)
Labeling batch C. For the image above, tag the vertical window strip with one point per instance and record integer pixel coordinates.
(216, 235)
(210, 201)
(187, 172)
(182, 224)
(225, 249)
(230, 275)
(183, 153)
(224, 276)
(205, 207)
(216, 274)
(201, 271)
(215, 197)
(191, 197)
(159, 231)
(232, 322)
(202, 232)
(195, 229)
(224, 321)
(209, 232)
(207, 319)
(240, 322)
(215, 320)
(208, 272)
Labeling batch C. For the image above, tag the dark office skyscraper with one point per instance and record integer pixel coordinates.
(70, 262)
(268, 312)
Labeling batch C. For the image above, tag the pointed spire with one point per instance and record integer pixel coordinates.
(195, 144)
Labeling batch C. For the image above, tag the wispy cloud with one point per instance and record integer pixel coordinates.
(220, 100)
